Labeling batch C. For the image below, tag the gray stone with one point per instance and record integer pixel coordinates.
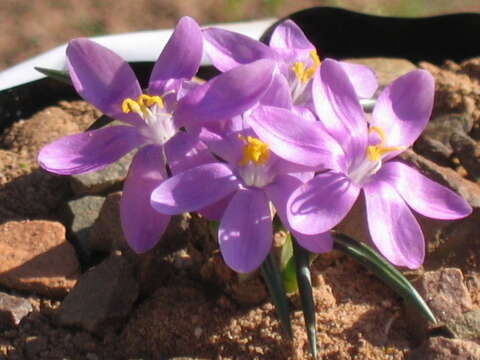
(440, 348)
(106, 180)
(83, 212)
(103, 297)
(12, 310)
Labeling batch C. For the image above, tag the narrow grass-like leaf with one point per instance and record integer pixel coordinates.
(58, 75)
(273, 279)
(304, 280)
(385, 271)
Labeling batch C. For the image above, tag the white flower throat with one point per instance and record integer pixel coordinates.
(159, 126)
(254, 168)
(303, 75)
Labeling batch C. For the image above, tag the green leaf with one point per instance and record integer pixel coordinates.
(385, 271)
(58, 75)
(287, 265)
(271, 274)
(304, 280)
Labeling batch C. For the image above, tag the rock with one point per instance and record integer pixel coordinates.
(445, 293)
(106, 180)
(466, 326)
(440, 348)
(103, 297)
(35, 257)
(106, 233)
(35, 345)
(468, 152)
(386, 69)
(82, 215)
(12, 310)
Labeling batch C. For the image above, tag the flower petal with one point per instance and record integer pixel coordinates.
(194, 189)
(422, 194)
(89, 151)
(321, 203)
(296, 140)
(393, 228)
(181, 57)
(227, 95)
(185, 151)
(279, 93)
(102, 78)
(362, 77)
(141, 224)
(227, 49)
(288, 35)
(339, 110)
(404, 107)
(245, 233)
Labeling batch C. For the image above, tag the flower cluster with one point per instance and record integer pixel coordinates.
(277, 132)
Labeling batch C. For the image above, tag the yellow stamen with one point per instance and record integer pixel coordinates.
(129, 105)
(142, 104)
(305, 74)
(375, 152)
(254, 150)
(148, 101)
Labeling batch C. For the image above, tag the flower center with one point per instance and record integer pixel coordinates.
(375, 152)
(373, 160)
(304, 73)
(254, 150)
(159, 126)
(254, 169)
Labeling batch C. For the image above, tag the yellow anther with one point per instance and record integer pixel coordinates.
(305, 74)
(129, 105)
(254, 150)
(375, 152)
(147, 100)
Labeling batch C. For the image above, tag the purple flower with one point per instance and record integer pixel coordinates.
(153, 120)
(295, 55)
(364, 162)
(240, 189)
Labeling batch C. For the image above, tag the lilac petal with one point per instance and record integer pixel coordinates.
(194, 189)
(181, 57)
(362, 77)
(225, 146)
(393, 228)
(339, 110)
(89, 151)
(319, 243)
(227, 49)
(279, 93)
(422, 194)
(296, 140)
(216, 210)
(289, 36)
(141, 224)
(245, 234)
(321, 203)
(227, 95)
(185, 151)
(404, 107)
(102, 78)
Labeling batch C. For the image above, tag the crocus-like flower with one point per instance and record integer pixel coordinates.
(365, 162)
(295, 55)
(153, 120)
(244, 184)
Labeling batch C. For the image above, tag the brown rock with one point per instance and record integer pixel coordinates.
(440, 348)
(445, 293)
(466, 326)
(35, 256)
(12, 310)
(102, 298)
